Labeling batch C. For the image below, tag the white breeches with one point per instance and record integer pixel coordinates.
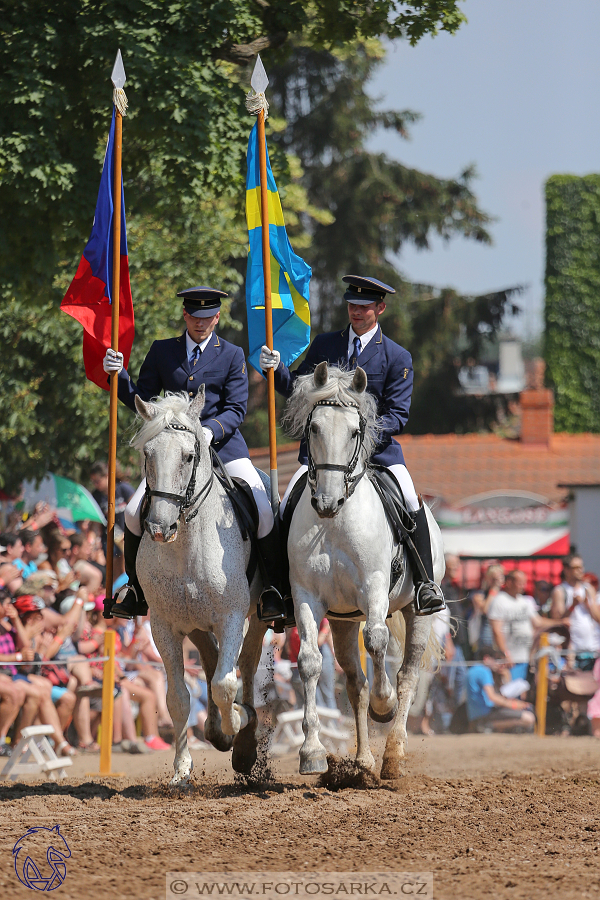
(238, 468)
(398, 470)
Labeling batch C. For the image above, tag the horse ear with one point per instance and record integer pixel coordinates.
(359, 382)
(197, 404)
(146, 410)
(321, 375)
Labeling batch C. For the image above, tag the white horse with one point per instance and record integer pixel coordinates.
(191, 565)
(341, 548)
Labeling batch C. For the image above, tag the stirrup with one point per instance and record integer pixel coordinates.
(428, 605)
(125, 603)
(270, 606)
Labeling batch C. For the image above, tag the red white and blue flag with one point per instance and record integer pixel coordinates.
(89, 297)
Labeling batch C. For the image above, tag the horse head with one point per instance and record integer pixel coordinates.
(175, 460)
(335, 432)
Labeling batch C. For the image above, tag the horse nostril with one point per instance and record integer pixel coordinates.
(341, 501)
(314, 503)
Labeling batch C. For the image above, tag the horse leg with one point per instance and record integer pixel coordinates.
(178, 699)
(229, 633)
(244, 743)
(345, 641)
(208, 649)
(383, 702)
(313, 756)
(418, 629)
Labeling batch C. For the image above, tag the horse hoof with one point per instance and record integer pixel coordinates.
(220, 741)
(244, 744)
(313, 765)
(180, 779)
(390, 769)
(384, 717)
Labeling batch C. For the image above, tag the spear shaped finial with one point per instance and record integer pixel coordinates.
(259, 80)
(256, 102)
(118, 79)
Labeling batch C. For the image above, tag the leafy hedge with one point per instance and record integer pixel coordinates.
(572, 339)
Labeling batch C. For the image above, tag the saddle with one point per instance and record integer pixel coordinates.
(244, 507)
(394, 504)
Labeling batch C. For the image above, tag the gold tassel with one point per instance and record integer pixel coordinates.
(120, 100)
(257, 102)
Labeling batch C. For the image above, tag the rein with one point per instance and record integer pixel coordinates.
(189, 499)
(350, 480)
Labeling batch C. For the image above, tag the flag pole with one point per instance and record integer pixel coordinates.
(114, 343)
(259, 83)
(120, 101)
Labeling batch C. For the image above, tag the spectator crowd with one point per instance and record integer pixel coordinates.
(52, 637)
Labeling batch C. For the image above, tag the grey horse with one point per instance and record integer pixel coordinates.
(192, 567)
(341, 548)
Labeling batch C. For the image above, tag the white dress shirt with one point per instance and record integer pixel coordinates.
(364, 339)
(191, 345)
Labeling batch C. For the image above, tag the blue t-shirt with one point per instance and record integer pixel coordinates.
(478, 702)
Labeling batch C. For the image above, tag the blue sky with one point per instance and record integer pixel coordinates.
(516, 92)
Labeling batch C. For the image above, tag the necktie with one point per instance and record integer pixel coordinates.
(356, 353)
(195, 354)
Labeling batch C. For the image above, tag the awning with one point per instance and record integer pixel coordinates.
(488, 543)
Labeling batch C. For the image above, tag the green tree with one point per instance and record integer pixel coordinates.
(572, 310)
(378, 205)
(188, 66)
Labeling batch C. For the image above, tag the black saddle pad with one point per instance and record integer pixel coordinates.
(391, 496)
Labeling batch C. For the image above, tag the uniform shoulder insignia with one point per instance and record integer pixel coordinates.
(405, 373)
(244, 367)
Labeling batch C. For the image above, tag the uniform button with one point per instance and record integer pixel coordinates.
(191, 377)
(191, 393)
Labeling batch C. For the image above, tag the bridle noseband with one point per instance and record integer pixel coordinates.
(187, 500)
(350, 480)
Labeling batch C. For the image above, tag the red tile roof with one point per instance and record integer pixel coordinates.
(456, 466)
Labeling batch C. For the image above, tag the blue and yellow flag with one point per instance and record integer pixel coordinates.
(290, 275)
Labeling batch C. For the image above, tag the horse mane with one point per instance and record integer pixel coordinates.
(338, 387)
(170, 408)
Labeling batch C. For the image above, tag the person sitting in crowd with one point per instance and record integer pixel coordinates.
(33, 550)
(14, 648)
(593, 709)
(30, 609)
(487, 708)
(513, 621)
(89, 575)
(12, 549)
(134, 690)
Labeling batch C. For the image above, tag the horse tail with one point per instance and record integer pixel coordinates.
(434, 652)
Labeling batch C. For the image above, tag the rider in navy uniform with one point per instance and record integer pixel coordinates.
(199, 356)
(390, 380)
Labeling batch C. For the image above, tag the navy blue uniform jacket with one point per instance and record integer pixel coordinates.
(221, 369)
(389, 379)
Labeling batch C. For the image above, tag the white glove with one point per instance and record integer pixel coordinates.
(269, 359)
(113, 362)
(208, 434)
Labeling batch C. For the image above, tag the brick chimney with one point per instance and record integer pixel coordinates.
(537, 408)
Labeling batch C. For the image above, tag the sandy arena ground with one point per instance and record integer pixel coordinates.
(492, 816)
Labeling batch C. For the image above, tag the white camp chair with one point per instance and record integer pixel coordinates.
(288, 735)
(34, 743)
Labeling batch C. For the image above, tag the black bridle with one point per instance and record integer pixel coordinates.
(350, 480)
(189, 499)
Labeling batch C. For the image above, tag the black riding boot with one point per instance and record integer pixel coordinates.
(130, 601)
(428, 595)
(270, 605)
